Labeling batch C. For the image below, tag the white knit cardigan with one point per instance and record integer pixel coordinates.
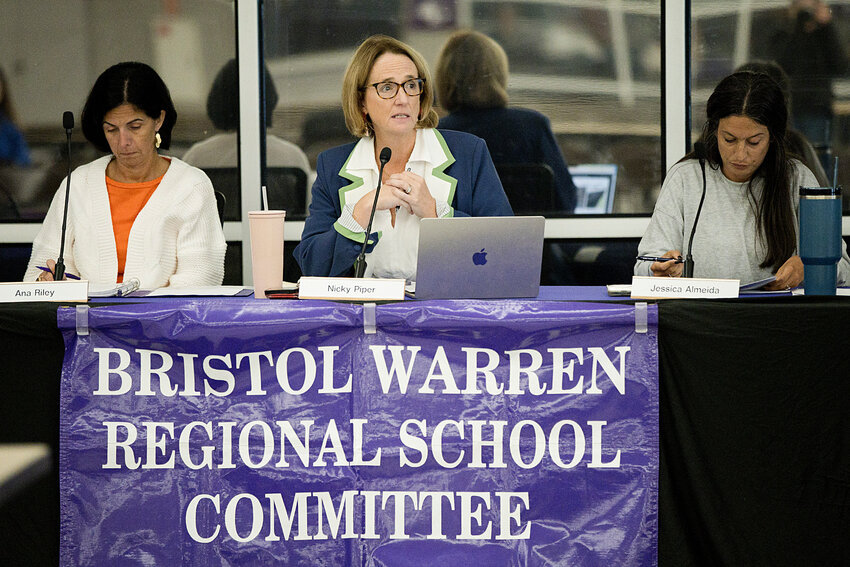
(176, 239)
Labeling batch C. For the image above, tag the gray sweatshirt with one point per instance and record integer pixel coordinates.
(726, 244)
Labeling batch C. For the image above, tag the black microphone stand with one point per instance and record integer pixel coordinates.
(360, 262)
(688, 268)
(59, 270)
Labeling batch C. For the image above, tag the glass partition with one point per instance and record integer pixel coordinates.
(593, 69)
(50, 55)
(804, 42)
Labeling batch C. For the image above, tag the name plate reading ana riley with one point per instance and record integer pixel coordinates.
(351, 289)
(68, 290)
(644, 287)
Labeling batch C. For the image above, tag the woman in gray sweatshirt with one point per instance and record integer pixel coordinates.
(747, 229)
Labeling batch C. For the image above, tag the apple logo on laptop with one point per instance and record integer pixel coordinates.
(479, 258)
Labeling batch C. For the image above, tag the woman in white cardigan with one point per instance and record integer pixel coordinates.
(134, 213)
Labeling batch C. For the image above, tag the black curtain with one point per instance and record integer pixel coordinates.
(755, 432)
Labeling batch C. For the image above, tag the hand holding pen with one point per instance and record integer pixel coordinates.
(668, 265)
(678, 260)
(47, 272)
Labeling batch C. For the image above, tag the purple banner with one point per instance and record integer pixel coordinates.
(475, 433)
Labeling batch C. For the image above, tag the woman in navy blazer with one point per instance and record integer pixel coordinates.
(387, 101)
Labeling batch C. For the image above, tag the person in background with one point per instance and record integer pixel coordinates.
(387, 97)
(810, 52)
(748, 225)
(133, 213)
(472, 80)
(222, 150)
(798, 145)
(13, 146)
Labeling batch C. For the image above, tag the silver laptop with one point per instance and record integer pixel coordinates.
(479, 257)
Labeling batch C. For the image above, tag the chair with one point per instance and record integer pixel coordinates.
(530, 187)
(286, 188)
(221, 204)
(322, 130)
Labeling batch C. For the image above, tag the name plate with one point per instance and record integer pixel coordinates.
(351, 289)
(644, 287)
(68, 290)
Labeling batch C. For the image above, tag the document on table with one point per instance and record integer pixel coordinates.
(201, 291)
(113, 290)
(845, 291)
(619, 290)
(758, 285)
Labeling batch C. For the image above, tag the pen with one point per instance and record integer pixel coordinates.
(45, 269)
(659, 259)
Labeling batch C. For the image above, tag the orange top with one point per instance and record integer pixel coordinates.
(126, 200)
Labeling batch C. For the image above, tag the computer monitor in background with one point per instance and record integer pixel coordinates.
(595, 184)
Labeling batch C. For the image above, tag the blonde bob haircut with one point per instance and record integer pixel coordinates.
(357, 74)
(472, 72)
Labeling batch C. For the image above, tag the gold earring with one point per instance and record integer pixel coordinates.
(158, 141)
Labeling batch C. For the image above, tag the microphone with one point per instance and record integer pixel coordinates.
(699, 152)
(360, 262)
(68, 124)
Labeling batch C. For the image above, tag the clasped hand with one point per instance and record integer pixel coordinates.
(409, 190)
(405, 189)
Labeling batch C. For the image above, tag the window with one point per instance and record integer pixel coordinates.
(52, 52)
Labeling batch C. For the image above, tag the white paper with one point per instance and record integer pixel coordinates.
(845, 291)
(204, 290)
(113, 290)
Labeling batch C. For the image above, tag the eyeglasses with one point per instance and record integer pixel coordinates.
(389, 89)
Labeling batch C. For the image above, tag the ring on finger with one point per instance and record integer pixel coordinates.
(408, 189)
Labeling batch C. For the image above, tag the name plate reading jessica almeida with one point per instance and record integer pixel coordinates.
(644, 287)
(69, 290)
(351, 289)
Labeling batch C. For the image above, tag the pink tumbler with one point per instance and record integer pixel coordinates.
(266, 250)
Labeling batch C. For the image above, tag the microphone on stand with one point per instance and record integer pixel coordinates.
(68, 124)
(360, 262)
(699, 152)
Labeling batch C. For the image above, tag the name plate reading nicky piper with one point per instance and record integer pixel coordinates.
(351, 289)
(75, 291)
(644, 287)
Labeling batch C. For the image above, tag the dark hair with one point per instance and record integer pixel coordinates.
(223, 98)
(472, 72)
(775, 72)
(6, 108)
(129, 82)
(795, 143)
(758, 97)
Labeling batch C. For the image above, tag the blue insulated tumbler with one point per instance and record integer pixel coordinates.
(820, 238)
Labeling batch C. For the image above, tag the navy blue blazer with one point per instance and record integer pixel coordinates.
(327, 250)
